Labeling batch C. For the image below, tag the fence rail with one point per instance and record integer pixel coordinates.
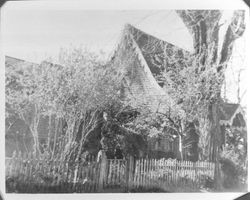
(96, 175)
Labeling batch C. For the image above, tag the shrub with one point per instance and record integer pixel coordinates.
(234, 169)
(230, 172)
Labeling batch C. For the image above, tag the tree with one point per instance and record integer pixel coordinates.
(74, 93)
(213, 53)
(19, 88)
(76, 96)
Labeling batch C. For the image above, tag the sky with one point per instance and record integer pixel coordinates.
(43, 32)
(34, 33)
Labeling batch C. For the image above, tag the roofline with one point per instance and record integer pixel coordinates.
(20, 60)
(128, 26)
(230, 121)
(145, 66)
(147, 71)
(25, 61)
(6, 56)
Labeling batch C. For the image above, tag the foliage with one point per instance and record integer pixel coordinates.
(77, 90)
(230, 173)
(117, 135)
(195, 83)
(234, 167)
(77, 95)
(237, 139)
(211, 58)
(192, 82)
(193, 89)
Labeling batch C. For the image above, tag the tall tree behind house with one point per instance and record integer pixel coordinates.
(205, 26)
(213, 52)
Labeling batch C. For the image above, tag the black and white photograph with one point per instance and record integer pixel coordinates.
(124, 100)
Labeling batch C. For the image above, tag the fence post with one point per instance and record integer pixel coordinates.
(217, 176)
(195, 173)
(129, 173)
(102, 161)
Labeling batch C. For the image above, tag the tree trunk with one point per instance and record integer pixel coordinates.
(215, 143)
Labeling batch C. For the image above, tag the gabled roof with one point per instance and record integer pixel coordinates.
(227, 110)
(140, 80)
(16, 64)
(19, 64)
(11, 61)
(232, 114)
(159, 55)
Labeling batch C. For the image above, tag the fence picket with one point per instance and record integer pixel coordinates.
(150, 172)
(146, 173)
(165, 174)
(84, 179)
(119, 171)
(91, 176)
(116, 171)
(143, 173)
(155, 171)
(95, 174)
(138, 173)
(112, 171)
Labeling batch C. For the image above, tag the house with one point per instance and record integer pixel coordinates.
(233, 122)
(148, 56)
(145, 58)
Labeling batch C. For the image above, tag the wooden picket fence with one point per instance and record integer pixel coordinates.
(169, 174)
(116, 173)
(52, 175)
(97, 175)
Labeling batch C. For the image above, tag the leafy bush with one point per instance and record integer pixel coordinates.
(229, 169)
(234, 169)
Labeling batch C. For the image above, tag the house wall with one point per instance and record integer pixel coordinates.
(163, 147)
(19, 138)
